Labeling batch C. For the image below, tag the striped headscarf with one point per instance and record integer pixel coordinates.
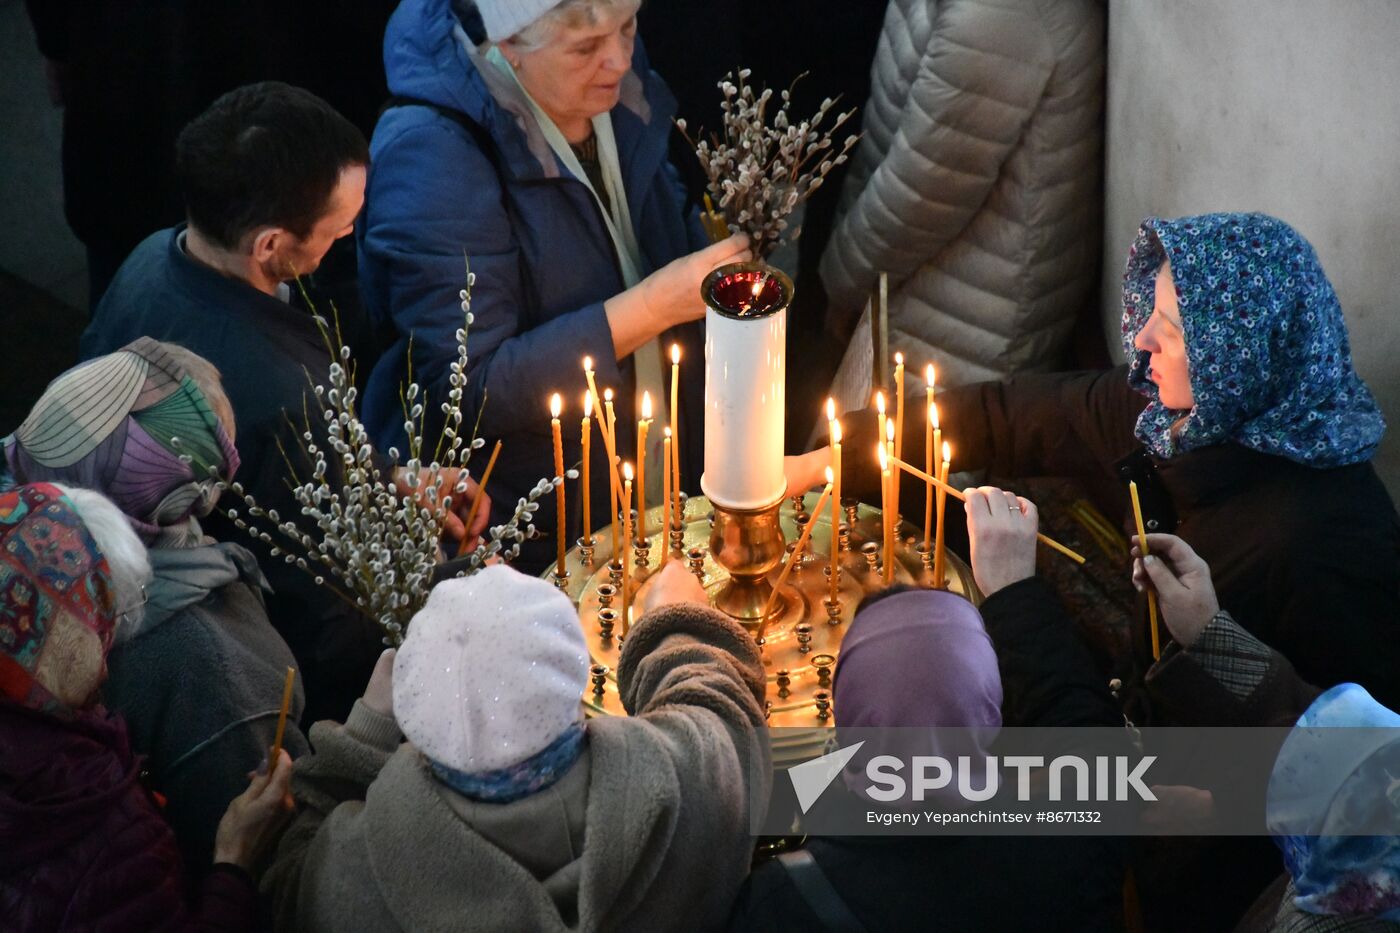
(54, 583)
(134, 426)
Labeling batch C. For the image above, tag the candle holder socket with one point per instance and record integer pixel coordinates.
(823, 664)
(585, 548)
(784, 680)
(833, 610)
(561, 580)
(925, 556)
(598, 673)
(804, 636)
(695, 559)
(849, 505)
(844, 537)
(870, 550)
(607, 620)
(615, 572)
(822, 700)
(606, 594)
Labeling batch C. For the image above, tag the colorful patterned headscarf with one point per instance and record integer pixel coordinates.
(133, 426)
(53, 581)
(1266, 344)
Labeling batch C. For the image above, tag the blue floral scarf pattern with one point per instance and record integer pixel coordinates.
(522, 779)
(1266, 343)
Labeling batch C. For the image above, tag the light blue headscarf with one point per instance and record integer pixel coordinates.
(1338, 774)
(1266, 344)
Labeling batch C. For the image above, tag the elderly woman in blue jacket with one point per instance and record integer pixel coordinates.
(529, 138)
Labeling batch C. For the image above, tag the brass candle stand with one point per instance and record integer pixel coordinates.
(737, 556)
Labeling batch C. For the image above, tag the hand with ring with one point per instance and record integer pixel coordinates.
(1001, 528)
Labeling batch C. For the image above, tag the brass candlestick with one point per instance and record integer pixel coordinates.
(748, 544)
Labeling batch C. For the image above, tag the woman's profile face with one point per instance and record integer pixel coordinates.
(1163, 337)
(578, 74)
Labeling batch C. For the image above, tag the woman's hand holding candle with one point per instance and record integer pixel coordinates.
(1001, 530)
(1182, 583)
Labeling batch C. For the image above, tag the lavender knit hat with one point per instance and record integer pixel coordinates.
(492, 671)
(505, 18)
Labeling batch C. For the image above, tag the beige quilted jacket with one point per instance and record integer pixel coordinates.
(977, 185)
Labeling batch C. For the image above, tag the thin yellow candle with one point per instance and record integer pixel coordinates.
(899, 405)
(835, 427)
(586, 429)
(1151, 595)
(939, 554)
(675, 438)
(794, 557)
(880, 417)
(666, 488)
(930, 445)
(626, 546)
(933, 436)
(480, 497)
(885, 511)
(608, 445)
(893, 492)
(556, 405)
(643, 424)
(609, 428)
(282, 720)
(957, 494)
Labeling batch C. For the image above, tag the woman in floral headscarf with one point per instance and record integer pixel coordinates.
(1247, 431)
(199, 676)
(82, 842)
(1249, 435)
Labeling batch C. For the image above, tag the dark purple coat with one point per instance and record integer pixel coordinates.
(83, 845)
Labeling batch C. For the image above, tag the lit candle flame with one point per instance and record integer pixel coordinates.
(884, 461)
(889, 431)
(947, 452)
(758, 286)
(830, 477)
(646, 406)
(831, 409)
(933, 414)
(607, 395)
(588, 364)
(556, 405)
(929, 374)
(899, 359)
(836, 432)
(880, 402)
(627, 472)
(587, 402)
(675, 354)
(667, 429)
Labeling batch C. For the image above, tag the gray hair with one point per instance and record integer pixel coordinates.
(569, 14)
(208, 380)
(126, 555)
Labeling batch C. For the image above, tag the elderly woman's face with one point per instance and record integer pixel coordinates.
(1163, 337)
(578, 73)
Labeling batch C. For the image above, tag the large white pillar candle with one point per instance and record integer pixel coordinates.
(745, 351)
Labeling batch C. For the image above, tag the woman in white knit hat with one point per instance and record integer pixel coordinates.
(505, 810)
(532, 136)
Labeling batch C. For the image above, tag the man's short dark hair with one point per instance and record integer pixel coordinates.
(265, 154)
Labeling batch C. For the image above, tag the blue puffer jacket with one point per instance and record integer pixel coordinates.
(536, 241)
